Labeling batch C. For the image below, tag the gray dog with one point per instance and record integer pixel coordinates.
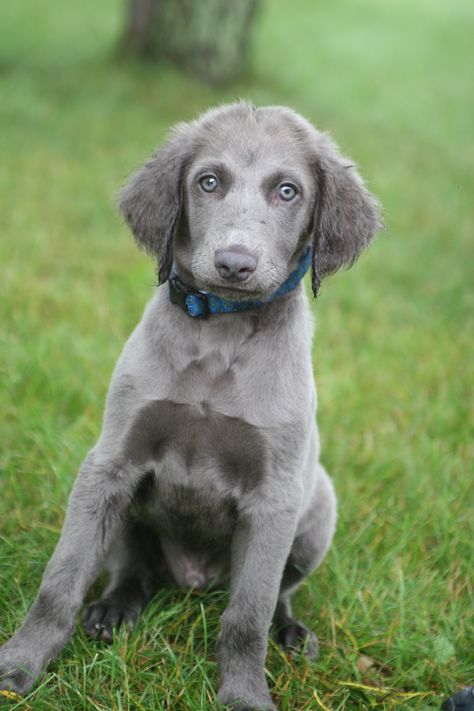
(207, 467)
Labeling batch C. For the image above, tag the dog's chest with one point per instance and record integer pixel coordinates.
(211, 371)
(199, 462)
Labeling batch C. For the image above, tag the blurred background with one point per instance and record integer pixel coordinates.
(88, 90)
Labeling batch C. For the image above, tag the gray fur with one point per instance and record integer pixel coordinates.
(207, 468)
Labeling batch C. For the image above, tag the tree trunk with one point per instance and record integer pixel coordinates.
(209, 38)
(138, 38)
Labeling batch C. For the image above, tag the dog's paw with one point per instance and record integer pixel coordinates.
(100, 619)
(296, 638)
(462, 701)
(245, 700)
(17, 673)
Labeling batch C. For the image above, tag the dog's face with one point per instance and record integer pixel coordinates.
(235, 197)
(249, 198)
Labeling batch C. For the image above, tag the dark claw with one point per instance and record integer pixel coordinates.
(102, 617)
(294, 637)
(462, 701)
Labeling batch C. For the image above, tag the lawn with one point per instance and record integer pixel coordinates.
(393, 604)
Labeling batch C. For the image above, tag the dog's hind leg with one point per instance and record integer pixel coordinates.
(309, 548)
(137, 568)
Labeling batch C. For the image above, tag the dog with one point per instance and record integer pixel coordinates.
(207, 468)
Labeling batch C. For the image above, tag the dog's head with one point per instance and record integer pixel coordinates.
(235, 196)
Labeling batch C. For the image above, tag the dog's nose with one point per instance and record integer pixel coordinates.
(235, 264)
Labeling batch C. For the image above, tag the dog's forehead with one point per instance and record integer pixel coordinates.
(246, 142)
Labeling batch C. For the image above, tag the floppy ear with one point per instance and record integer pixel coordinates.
(152, 199)
(347, 215)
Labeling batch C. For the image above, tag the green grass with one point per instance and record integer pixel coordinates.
(393, 352)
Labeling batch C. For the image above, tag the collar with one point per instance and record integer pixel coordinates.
(202, 304)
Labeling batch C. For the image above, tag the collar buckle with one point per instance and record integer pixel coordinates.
(195, 303)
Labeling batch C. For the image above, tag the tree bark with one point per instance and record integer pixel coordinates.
(138, 38)
(208, 38)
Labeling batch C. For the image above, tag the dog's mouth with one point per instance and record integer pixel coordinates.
(233, 292)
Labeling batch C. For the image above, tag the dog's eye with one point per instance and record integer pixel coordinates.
(287, 191)
(209, 183)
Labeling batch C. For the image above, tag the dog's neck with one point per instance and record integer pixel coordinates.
(202, 304)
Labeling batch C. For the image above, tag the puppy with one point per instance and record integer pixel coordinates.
(207, 468)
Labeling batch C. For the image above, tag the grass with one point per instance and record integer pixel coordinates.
(393, 603)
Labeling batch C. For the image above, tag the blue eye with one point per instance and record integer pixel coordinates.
(209, 183)
(287, 192)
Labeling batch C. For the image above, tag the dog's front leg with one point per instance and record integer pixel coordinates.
(260, 547)
(99, 497)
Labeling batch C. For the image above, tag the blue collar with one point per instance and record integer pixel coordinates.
(201, 304)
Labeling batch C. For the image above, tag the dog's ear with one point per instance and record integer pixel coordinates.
(152, 199)
(347, 216)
